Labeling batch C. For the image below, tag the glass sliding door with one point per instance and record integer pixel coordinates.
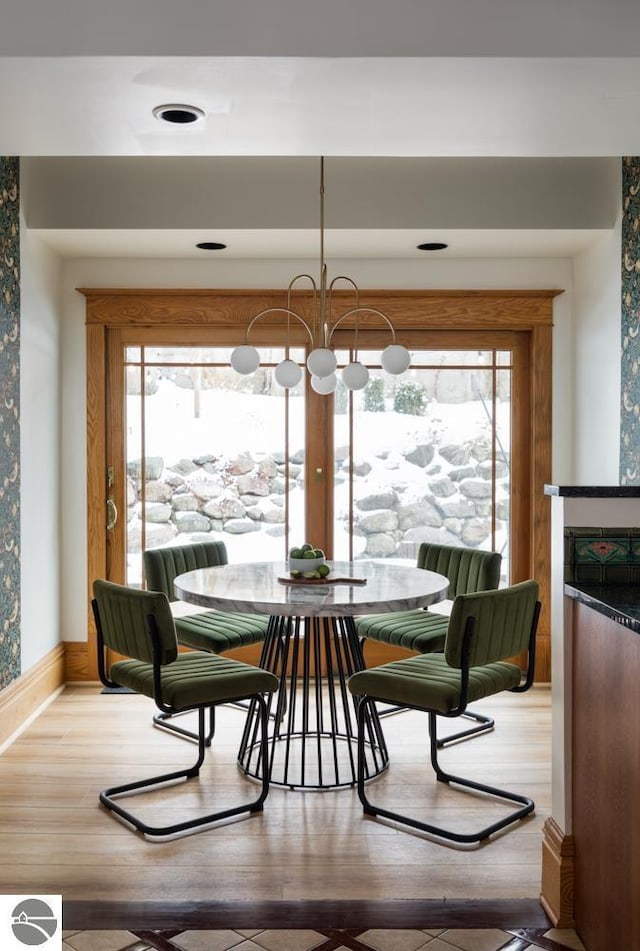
(209, 454)
(425, 457)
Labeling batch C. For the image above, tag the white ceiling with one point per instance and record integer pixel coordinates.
(490, 78)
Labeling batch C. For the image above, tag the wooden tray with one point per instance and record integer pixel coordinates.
(327, 580)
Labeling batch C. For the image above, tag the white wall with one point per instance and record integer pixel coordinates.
(470, 273)
(596, 361)
(40, 516)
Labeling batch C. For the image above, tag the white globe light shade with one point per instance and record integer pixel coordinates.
(321, 362)
(288, 374)
(324, 384)
(355, 376)
(245, 359)
(395, 359)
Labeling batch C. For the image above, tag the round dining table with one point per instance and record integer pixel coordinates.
(312, 645)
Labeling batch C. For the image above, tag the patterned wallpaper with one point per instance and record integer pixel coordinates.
(9, 420)
(630, 368)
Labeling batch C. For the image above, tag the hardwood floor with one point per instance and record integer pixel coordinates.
(56, 838)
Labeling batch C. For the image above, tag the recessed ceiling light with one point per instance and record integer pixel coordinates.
(432, 246)
(178, 114)
(211, 246)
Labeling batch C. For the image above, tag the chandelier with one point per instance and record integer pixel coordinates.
(322, 362)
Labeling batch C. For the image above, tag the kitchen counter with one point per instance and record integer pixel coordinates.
(620, 603)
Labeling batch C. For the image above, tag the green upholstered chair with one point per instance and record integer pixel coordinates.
(484, 631)
(424, 631)
(139, 625)
(212, 631)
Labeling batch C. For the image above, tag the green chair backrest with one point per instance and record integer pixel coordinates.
(468, 569)
(162, 565)
(123, 616)
(503, 623)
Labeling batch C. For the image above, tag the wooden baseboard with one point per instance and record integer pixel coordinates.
(76, 662)
(22, 698)
(557, 896)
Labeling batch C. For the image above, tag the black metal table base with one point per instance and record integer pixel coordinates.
(313, 728)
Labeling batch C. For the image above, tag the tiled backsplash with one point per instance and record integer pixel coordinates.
(602, 555)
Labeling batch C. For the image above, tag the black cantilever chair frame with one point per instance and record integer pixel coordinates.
(139, 625)
(456, 673)
(469, 570)
(212, 631)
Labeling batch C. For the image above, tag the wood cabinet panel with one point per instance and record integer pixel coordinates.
(606, 780)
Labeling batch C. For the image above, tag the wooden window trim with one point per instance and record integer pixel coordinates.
(527, 311)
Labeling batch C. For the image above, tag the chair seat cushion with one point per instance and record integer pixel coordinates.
(427, 682)
(194, 679)
(220, 631)
(417, 630)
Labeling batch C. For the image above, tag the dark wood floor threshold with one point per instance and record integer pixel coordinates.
(506, 914)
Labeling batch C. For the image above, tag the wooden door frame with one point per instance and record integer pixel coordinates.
(526, 311)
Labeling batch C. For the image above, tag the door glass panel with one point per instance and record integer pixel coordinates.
(424, 457)
(210, 454)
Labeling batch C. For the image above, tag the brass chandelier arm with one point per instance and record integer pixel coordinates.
(278, 310)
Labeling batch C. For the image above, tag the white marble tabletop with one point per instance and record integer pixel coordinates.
(254, 587)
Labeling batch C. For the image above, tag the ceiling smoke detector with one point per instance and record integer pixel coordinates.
(178, 114)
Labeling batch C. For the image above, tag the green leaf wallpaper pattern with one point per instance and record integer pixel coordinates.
(630, 321)
(9, 420)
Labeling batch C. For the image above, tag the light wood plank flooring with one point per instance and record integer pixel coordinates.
(55, 837)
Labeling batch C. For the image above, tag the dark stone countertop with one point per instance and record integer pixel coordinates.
(620, 603)
(594, 491)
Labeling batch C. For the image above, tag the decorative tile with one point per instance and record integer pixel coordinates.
(390, 940)
(9, 420)
(602, 555)
(475, 939)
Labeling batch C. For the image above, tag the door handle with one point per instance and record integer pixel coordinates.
(112, 514)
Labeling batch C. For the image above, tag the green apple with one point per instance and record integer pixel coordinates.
(295, 573)
(309, 553)
(311, 574)
(306, 547)
(323, 570)
(295, 553)
(318, 553)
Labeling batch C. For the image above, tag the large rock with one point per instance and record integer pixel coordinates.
(420, 455)
(253, 484)
(185, 502)
(485, 469)
(475, 531)
(225, 506)
(377, 499)
(457, 508)
(241, 464)
(381, 521)
(241, 526)
(192, 522)
(380, 546)
(475, 488)
(267, 468)
(442, 488)
(418, 513)
(462, 472)
(455, 453)
(157, 491)
(205, 487)
(156, 511)
(153, 466)
(183, 467)
(267, 510)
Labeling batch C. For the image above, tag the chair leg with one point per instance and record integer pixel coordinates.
(108, 796)
(526, 805)
(484, 725)
(164, 721)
